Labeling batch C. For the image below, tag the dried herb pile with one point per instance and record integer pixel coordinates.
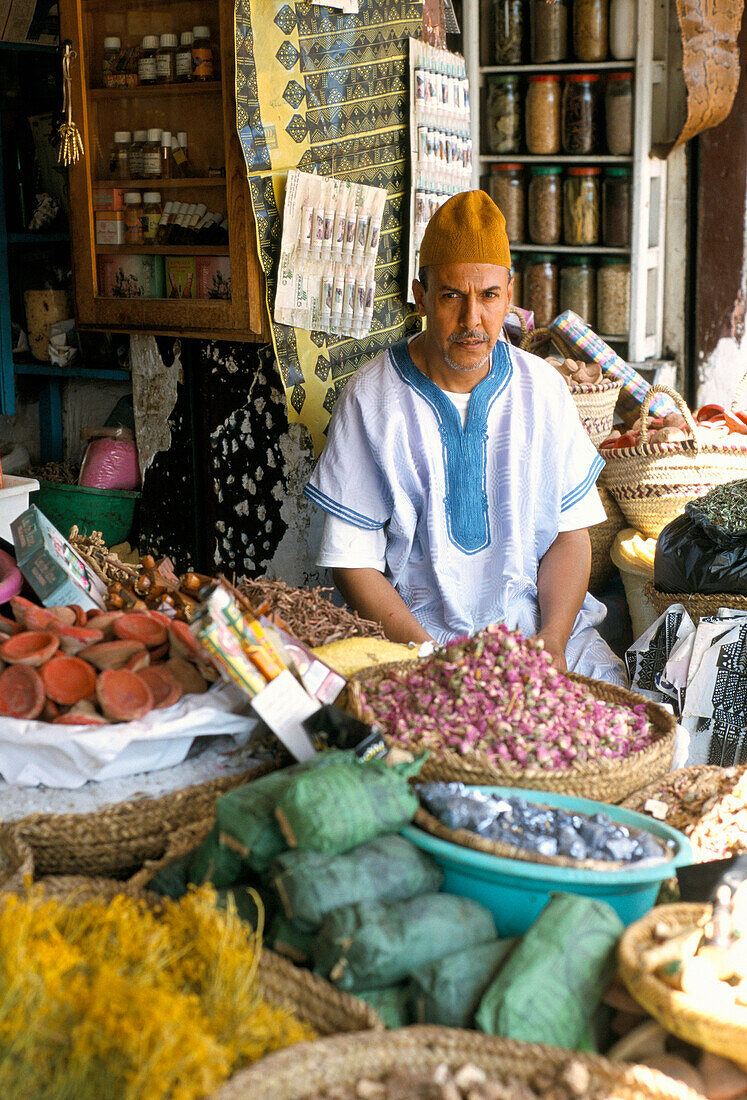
(308, 613)
(61, 472)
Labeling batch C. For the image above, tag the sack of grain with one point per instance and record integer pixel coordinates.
(393, 1004)
(448, 991)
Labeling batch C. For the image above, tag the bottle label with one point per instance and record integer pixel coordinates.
(178, 154)
(184, 63)
(152, 162)
(165, 66)
(146, 70)
(150, 225)
(202, 57)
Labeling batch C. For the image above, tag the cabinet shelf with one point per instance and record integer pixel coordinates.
(553, 158)
(38, 238)
(157, 91)
(573, 249)
(563, 67)
(218, 182)
(162, 249)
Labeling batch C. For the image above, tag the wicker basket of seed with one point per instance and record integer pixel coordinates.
(416, 705)
(443, 1062)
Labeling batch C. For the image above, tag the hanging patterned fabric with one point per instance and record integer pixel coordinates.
(326, 92)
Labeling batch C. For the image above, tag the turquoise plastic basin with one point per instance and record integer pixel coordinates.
(516, 891)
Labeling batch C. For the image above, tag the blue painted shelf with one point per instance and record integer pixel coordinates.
(69, 373)
(38, 238)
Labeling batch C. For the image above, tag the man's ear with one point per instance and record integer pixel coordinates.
(418, 296)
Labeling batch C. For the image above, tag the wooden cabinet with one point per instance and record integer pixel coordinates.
(206, 111)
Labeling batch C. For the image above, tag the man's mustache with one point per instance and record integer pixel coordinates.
(470, 334)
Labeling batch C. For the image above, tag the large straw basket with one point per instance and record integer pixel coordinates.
(305, 1068)
(602, 536)
(118, 840)
(603, 780)
(698, 606)
(652, 482)
(698, 1020)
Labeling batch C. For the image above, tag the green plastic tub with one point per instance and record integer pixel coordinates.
(110, 511)
(516, 891)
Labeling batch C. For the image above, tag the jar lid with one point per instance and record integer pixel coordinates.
(577, 261)
(182, 138)
(166, 138)
(152, 196)
(544, 77)
(122, 137)
(506, 167)
(141, 135)
(201, 32)
(168, 41)
(112, 43)
(584, 171)
(150, 42)
(618, 171)
(132, 197)
(577, 78)
(186, 39)
(614, 260)
(503, 78)
(546, 169)
(540, 258)
(619, 76)
(154, 134)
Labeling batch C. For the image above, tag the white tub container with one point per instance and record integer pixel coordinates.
(14, 499)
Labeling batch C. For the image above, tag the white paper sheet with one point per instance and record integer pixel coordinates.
(35, 753)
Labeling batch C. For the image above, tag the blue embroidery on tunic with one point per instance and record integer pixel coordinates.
(316, 496)
(464, 449)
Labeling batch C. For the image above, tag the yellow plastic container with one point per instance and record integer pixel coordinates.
(633, 554)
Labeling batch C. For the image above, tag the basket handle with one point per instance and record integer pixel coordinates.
(679, 402)
(523, 323)
(740, 395)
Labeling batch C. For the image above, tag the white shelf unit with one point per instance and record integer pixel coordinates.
(649, 178)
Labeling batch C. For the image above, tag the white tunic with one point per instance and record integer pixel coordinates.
(467, 512)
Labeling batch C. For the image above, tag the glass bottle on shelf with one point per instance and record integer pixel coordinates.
(119, 167)
(146, 66)
(548, 32)
(577, 287)
(517, 290)
(540, 289)
(166, 164)
(613, 296)
(617, 208)
(151, 215)
(203, 54)
(581, 206)
(166, 59)
(165, 221)
(506, 189)
(133, 219)
(618, 113)
(622, 29)
(152, 155)
(112, 47)
(508, 21)
(545, 204)
(590, 29)
(137, 151)
(580, 114)
(179, 155)
(543, 114)
(183, 64)
(503, 115)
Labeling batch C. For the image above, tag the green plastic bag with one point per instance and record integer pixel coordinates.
(349, 803)
(390, 868)
(371, 945)
(286, 938)
(448, 991)
(393, 1004)
(246, 898)
(550, 987)
(246, 837)
(173, 879)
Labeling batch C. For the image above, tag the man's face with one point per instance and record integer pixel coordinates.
(465, 306)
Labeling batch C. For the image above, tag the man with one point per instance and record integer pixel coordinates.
(457, 479)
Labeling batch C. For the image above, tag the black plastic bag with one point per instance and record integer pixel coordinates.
(694, 555)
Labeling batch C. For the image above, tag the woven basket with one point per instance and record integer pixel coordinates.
(595, 404)
(652, 482)
(603, 780)
(695, 1019)
(304, 1069)
(465, 838)
(697, 606)
(602, 536)
(118, 840)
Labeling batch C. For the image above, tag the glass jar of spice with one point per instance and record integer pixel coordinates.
(517, 288)
(183, 64)
(618, 113)
(543, 115)
(541, 287)
(622, 29)
(616, 208)
(508, 21)
(581, 206)
(545, 204)
(146, 66)
(613, 296)
(133, 218)
(119, 161)
(166, 59)
(590, 33)
(506, 189)
(112, 47)
(580, 114)
(203, 54)
(577, 287)
(503, 115)
(548, 32)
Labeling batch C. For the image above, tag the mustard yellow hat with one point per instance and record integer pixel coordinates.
(468, 228)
